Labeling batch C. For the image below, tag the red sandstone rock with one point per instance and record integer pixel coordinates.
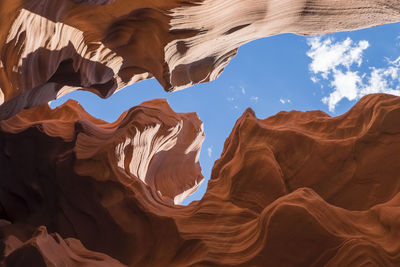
(49, 48)
(52, 250)
(295, 189)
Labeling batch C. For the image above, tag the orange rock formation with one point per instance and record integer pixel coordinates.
(295, 189)
(49, 48)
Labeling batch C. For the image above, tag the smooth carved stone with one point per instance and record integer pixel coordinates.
(45, 249)
(50, 48)
(94, 2)
(295, 189)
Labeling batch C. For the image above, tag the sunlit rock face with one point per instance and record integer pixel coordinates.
(49, 48)
(75, 175)
(295, 189)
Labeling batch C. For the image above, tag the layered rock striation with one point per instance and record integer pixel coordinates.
(49, 48)
(295, 189)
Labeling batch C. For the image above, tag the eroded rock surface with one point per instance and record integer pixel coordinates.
(49, 48)
(295, 189)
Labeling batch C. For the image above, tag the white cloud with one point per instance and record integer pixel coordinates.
(346, 85)
(254, 99)
(209, 152)
(230, 99)
(327, 55)
(314, 79)
(243, 90)
(284, 101)
(383, 80)
(334, 62)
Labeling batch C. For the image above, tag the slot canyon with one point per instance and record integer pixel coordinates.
(299, 188)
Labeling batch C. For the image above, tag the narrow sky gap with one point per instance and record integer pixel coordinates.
(268, 75)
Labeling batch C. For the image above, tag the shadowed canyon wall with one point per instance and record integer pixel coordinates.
(295, 189)
(51, 47)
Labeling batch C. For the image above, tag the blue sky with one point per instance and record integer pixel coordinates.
(284, 72)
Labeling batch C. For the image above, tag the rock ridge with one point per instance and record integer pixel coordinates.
(297, 188)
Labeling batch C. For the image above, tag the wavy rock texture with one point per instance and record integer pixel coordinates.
(49, 48)
(52, 250)
(295, 189)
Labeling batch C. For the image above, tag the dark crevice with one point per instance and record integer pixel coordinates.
(236, 29)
